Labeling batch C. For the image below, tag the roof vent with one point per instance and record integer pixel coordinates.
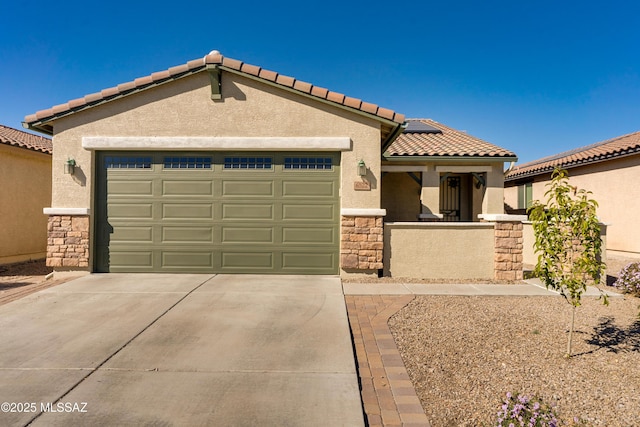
(415, 126)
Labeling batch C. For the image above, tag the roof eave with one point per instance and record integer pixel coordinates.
(422, 158)
(570, 165)
(42, 125)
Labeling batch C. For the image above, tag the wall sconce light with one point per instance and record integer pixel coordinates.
(69, 166)
(362, 168)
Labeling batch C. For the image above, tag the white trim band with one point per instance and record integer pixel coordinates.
(463, 169)
(502, 217)
(404, 168)
(66, 211)
(216, 143)
(363, 212)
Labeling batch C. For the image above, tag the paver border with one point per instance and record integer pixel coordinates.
(388, 395)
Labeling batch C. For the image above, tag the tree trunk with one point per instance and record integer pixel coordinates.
(573, 318)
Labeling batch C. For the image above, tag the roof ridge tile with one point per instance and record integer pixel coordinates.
(215, 58)
(603, 150)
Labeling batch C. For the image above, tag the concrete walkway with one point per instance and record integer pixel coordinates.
(191, 350)
(531, 287)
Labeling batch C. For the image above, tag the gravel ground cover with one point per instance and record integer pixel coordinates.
(464, 354)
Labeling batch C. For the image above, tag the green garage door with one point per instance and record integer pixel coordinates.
(218, 212)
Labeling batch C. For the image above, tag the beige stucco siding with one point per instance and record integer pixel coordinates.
(614, 185)
(184, 108)
(26, 189)
(439, 250)
(401, 196)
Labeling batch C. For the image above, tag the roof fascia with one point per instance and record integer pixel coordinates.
(464, 159)
(42, 125)
(393, 136)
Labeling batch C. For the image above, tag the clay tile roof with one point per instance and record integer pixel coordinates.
(601, 151)
(442, 141)
(26, 140)
(39, 119)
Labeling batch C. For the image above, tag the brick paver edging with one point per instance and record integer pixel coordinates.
(388, 395)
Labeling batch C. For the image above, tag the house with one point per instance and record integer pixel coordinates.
(25, 174)
(222, 166)
(609, 169)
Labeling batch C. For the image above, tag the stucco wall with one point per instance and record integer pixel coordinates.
(401, 197)
(614, 185)
(439, 250)
(26, 189)
(184, 108)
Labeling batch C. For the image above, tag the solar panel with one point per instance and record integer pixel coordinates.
(420, 127)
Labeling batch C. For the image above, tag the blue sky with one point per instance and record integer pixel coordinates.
(534, 77)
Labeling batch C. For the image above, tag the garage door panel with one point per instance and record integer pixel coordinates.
(132, 187)
(237, 188)
(308, 236)
(247, 260)
(187, 235)
(132, 234)
(308, 212)
(187, 211)
(131, 259)
(234, 211)
(187, 259)
(255, 235)
(308, 260)
(121, 210)
(187, 188)
(306, 188)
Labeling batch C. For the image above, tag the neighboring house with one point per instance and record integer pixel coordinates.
(222, 166)
(609, 169)
(25, 174)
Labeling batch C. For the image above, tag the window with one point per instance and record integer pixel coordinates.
(525, 195)
(187, 162)
(247, 162)
(307, 163)
(121, 162)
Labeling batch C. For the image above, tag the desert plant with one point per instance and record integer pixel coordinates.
(522, 410)
(567, 239)
(629, 279)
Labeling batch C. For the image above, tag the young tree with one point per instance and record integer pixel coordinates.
(567, 239)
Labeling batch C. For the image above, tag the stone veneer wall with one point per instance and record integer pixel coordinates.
(68, 241)
(508, 250)
(361, 243)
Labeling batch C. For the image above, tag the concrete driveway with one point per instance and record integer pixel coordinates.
(150, 349)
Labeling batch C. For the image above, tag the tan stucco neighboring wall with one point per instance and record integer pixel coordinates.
(26, 189)
(439, 250)
(184, 108)
(615, 186)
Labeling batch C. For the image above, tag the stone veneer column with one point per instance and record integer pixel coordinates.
(508, 250)
(361, 243)
(68, 241)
